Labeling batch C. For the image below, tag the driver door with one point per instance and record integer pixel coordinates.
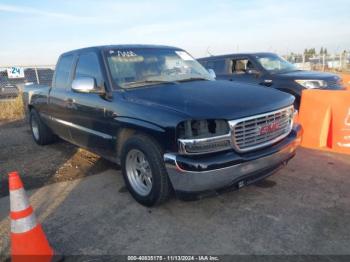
(90, 123)
(244, 70)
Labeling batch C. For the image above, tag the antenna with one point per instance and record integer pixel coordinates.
(208, 52)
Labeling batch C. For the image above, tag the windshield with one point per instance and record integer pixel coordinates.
(275, 63)
(137, 67)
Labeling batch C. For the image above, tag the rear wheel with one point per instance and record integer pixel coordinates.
(41, 133)
(144, 172)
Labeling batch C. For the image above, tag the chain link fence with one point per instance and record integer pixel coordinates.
(12, 85)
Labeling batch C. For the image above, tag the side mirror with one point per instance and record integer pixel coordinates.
(85, 85)
(212, 73)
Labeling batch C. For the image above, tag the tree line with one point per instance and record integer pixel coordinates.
(312, 52)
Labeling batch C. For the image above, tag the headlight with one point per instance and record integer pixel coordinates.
(311, 84)
(203, 136)
(340, 82)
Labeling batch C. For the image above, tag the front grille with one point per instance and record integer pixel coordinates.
(262, 130)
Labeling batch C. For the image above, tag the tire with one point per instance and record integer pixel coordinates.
(41, 133)
(138, 181)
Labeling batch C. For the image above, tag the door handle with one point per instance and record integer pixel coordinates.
(70, 102)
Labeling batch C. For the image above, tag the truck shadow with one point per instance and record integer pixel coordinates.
(43, 165)
(265, 183)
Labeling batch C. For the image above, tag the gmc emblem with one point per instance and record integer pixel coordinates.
(269, 128)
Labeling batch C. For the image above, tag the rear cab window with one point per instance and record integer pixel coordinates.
(219, 66)
(63, 71)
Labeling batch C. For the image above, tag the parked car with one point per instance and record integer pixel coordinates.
(8, 91)
(160, 115)
(270, 70)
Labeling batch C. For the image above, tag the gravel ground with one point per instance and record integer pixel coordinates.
(302, 209)
(42, 165)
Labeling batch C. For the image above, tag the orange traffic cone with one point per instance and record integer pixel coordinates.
(28, 240)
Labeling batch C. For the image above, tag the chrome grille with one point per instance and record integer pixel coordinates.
(262, 130)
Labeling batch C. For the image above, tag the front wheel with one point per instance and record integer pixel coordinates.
(144, 171)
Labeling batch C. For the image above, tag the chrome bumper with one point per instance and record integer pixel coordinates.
(204, 180)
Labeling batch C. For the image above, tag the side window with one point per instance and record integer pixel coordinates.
(240, 66)
(88, 66)
(217, 65)
(63, 70)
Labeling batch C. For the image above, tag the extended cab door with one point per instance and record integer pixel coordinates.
(220, 68)
(90, 120)
(55, 114)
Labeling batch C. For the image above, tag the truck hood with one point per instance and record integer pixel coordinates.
(301, 74)
(210, 99)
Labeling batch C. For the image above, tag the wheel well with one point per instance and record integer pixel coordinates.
(125, 133)
(122, 136)
(296, 96)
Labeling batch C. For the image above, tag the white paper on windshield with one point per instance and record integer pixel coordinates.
(184, 56)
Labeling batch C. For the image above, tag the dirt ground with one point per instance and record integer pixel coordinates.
(42, 165)
(302, 209)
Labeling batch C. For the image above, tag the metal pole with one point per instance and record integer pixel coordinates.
(323, 62)
(37, 76)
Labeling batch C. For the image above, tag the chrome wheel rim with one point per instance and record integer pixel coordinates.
(139, 172)
(35, 129)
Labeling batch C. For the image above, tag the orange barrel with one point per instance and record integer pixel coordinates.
(325, 117)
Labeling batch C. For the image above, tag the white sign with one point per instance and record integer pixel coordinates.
(15, 72)
(347, 130)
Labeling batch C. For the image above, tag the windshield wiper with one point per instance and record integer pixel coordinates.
(192, 79)
(145, 82)
(158, 81)
(149, 82)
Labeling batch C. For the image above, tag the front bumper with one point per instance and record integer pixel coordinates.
(209, 173)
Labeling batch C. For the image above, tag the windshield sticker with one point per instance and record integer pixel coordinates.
(184, 56)
(126, 53)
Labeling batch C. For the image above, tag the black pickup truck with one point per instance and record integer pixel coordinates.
(160, 115)
(268, 69)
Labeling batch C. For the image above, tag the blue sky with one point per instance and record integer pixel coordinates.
(36, 32)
